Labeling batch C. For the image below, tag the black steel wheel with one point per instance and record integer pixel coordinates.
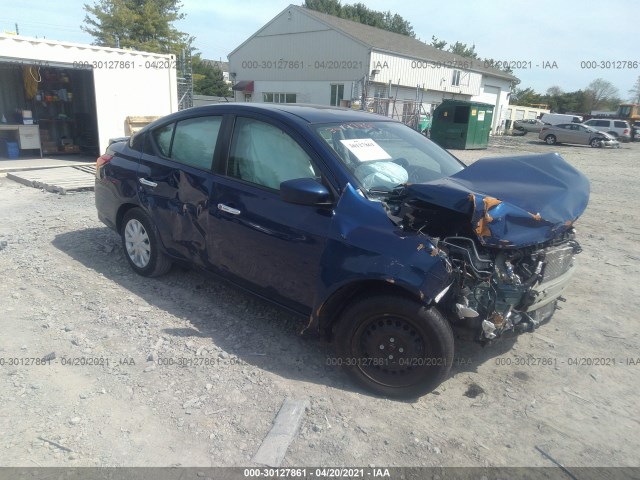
(394, 346)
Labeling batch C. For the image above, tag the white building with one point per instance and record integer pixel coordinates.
(79, 95)
(520, 112)
(304, 56)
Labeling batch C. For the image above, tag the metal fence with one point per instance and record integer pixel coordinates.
(184, 74)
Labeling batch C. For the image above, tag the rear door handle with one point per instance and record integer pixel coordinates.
(225, 208)
(148, 183)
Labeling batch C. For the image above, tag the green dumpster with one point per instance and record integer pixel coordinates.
(462, 125)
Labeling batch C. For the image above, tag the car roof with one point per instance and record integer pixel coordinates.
(302, 112)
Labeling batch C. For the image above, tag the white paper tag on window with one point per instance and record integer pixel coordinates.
(366, 149)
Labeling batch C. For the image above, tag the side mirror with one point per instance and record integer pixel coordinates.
(304, 191)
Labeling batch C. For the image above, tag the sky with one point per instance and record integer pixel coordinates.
(577, 41)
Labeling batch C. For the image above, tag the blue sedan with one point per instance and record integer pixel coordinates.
(379, 238)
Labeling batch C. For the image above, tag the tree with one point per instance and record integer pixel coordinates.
(359, 12)
(439, 44)
(600, 94)
(136, 24)
(635, 92)
(463, 50)
(208, 78)
(526, 96)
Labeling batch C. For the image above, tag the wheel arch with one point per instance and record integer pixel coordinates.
(327, 315)
(122, 211)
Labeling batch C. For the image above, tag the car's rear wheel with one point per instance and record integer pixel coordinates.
(141, 245)
(550, 139)
(596, 142)
(394, 346)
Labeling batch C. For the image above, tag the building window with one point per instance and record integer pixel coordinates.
(279, 97)
(337, 94)
(455, 78)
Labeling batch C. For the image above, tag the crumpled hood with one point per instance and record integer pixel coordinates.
(512, 201)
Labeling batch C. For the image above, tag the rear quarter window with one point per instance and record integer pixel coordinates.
(162, 136)
(621, 124)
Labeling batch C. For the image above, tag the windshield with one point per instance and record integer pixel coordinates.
(383, 155)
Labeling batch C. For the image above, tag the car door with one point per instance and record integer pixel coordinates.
(254, 237)
(175, 183)
(583, 136)
(562, 132)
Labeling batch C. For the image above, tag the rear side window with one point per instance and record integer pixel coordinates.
(162, 136)
(621, 124)
(195, 141)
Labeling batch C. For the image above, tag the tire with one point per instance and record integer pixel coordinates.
(141, 245)
(394, 346)
(550, 139)
(596, 143)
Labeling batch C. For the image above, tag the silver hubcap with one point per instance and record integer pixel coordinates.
(137, 243)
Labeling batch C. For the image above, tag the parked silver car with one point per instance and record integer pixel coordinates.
(529, 125)
(576, 133)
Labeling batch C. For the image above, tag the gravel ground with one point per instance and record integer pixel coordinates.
(67, 289)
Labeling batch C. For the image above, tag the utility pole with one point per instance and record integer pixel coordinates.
(17, 31)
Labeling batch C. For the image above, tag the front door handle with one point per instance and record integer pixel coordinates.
(225, 208)
(148, 183)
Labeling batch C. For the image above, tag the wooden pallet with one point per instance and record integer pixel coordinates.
(60, 180)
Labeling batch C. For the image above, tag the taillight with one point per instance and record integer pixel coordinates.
(626, 131)
(101, 161)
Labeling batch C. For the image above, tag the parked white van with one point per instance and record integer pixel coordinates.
(558, 118)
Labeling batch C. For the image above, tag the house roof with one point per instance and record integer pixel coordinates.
(223, 66)
(385, 41)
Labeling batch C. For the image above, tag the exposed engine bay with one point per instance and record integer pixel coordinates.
(498, 291)
(495, 290)
(509, 265)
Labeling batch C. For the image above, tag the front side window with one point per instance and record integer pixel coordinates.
(265, 155)
(383, 155)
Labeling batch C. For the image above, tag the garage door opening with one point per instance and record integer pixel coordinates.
(47, 111)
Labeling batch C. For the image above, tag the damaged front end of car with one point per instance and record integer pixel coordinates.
(506, 226)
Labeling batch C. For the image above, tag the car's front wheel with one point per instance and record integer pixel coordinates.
(596, 142)
(394, 346)
(141, 245)
(550, 139)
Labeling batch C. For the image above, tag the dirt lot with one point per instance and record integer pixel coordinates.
(67, 289)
